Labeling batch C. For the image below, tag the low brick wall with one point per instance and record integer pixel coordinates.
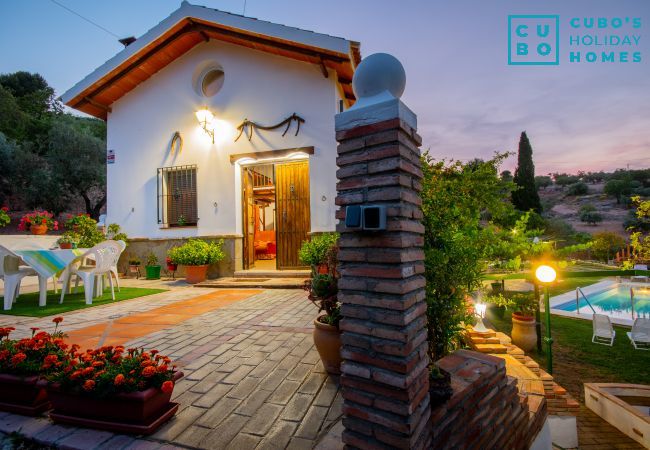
(141, 247)
(486, 411)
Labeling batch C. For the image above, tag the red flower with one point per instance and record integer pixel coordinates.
(119, 379)
(148, 371)
(98, 364)
(57, 320)
(18, 358)
(89, 385)
(87, 371)
(163, 368)
(167, 387)
(4, 209)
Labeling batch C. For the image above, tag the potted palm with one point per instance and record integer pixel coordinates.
(23, 362)
(196, 255)
(152, 268)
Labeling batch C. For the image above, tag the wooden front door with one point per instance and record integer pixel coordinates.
(249, 218)
(293, 214)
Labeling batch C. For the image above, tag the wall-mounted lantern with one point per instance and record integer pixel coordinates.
(205, 118)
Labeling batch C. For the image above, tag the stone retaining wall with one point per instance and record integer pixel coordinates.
(141, 247)
(487, 409)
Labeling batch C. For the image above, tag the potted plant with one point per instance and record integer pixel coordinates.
(498, 304)
(152, 268)
(134, 266)
(439, 385)
(196, 255)
(170, 265)
(68, 240)
(38, 222)
(114, 389)
(4, 217)
(524, 334)
(320, 253)
(323, 290)
(22, 363)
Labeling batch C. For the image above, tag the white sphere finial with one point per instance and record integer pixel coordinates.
(377, 74)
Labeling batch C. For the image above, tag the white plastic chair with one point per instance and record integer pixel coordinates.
(603, 331)
(640, 334)
(114, 272)
(105, 255)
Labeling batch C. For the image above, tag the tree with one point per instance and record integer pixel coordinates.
(7, 153)
(454, 197)
(506, 175)
(591, 217)
(605, 245)
(639, 240)
(87, 176)
(543, 182)
(525, 197)
(565, 179)
(618, 188)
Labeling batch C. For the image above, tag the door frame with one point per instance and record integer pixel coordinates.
(246, 264)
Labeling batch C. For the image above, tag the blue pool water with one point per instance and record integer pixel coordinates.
(614, 302)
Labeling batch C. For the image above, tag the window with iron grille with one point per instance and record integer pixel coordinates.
(177, 199)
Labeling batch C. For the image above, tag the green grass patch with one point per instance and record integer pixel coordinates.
(27, 304)
(577, 360)
(506, 276)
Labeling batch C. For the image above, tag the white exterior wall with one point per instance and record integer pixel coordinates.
(259, 86)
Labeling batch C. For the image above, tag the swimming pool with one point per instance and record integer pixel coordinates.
(613, 302)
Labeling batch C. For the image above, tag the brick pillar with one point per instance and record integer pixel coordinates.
(384, 377)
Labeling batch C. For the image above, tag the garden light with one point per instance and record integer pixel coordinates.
(480, 308)
(546, 275)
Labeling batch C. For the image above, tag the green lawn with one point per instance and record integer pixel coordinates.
(577, 360)
(27, 304)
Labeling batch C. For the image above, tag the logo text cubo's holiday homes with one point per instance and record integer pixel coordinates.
(537, 40)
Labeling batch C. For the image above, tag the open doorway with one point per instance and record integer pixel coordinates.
(276, 214)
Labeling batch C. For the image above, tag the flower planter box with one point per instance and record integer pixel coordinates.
(140, 412)
(22, 395)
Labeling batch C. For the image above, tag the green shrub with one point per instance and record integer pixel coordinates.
(197, 252)
(321, 249)
(591, 217)
(579, 188)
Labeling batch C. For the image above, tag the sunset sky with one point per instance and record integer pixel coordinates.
(469, 101)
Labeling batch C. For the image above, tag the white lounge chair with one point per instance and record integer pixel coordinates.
(640, 277)
(603, 331)
(640, 334)
(105, 255)
(12, 275)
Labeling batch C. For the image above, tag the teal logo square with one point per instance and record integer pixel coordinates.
(533, 40)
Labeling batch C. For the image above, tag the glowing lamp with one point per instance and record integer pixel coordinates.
(545, 274)
(479, 309)
(205, 118)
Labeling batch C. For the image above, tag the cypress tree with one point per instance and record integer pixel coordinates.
(525, 197)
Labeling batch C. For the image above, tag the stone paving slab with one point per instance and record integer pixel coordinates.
(253, 379)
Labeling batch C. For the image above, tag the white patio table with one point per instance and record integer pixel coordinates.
(47, 263)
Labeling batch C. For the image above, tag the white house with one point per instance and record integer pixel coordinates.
(174, 174)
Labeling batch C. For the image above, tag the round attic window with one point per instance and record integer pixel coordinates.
(212, 82)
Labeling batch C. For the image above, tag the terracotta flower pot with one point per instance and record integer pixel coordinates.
(65, 245)
(38, 229)
(125, 411)
(22, 395)
(524, 334)
(327, 339)
(196, 274)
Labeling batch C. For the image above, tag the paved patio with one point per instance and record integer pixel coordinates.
(253, 378)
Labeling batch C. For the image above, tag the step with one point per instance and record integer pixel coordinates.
(254, 283)
(294, 273)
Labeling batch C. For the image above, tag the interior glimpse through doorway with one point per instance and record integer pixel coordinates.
(276, 214)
